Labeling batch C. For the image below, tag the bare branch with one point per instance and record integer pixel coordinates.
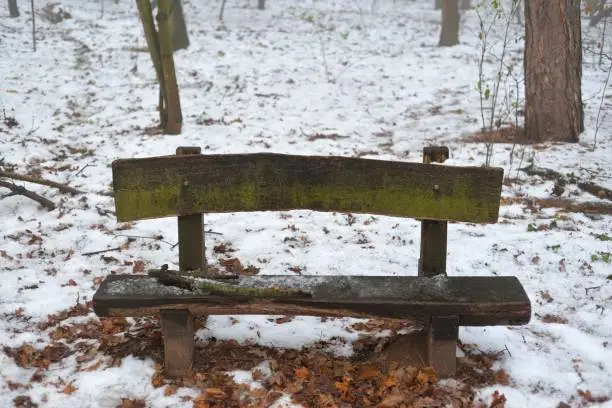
(61, 187)
(19, 190)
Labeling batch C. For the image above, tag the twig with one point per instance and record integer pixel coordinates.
(159, 238)
(81, 169)
(19, 190)
(33, 26)
(317, 136)
(586, 290)
(222, 9)
(268, 95)
(61, 187)
(101, 251)
(603, 94)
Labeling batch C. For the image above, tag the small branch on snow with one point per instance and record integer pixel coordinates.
(586, 290)
(327, 136)
(268, 95)
(101, 251)
(61, 187)
(548, 174)
(19, 190)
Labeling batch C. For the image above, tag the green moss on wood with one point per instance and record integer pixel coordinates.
(260, 182)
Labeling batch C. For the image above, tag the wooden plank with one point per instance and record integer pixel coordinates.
(191, 230)
(170, 185)
(179, 342)
(476, 301)
(433, 233)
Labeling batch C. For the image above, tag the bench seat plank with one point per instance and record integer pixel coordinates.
(475, 300)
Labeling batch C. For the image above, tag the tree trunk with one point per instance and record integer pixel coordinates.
(180, 40)
(261, 4)
(438, 4)
(450, 23)
(13, 9)
(174, 117)
(146, 16)
(553, 71)
(466, 4)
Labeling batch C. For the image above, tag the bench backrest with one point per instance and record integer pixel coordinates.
(189, 184)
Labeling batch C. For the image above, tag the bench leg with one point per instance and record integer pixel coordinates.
(179, 342)
(442, 345)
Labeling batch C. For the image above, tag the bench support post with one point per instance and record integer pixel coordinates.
(442, 338)
(433, 233)
(179, 342)
(191, 230)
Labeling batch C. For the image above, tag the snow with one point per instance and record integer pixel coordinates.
(369, 70)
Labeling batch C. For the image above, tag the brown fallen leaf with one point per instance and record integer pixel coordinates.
(69, 389)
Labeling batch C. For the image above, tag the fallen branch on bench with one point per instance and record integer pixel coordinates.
(213, 283)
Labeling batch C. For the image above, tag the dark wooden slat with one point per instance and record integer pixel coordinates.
(476, 301)
(170, 185)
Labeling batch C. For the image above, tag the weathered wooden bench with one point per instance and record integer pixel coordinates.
(189, 184)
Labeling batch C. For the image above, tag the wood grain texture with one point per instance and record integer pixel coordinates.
(191, 244)
(432, 260)
(179, 344)
(170, 185)
(476, 301)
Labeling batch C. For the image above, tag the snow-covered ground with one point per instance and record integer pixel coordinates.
(369, 70)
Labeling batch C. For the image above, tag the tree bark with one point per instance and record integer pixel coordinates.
(553, 71)
(180, 39)
(13, 9)
(449, 34)
(174, 117)
(466, 4)
(146, 16)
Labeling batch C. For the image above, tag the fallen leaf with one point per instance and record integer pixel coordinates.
(69, 389)
(302, 373)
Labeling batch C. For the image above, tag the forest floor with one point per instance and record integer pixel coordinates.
(350, 78)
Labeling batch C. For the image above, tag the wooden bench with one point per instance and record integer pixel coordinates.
(188, 184)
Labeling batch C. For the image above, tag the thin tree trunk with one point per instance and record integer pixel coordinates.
(261, 4)
(553, 71)
(449, 34)
(146, 16)
(180, 40)
(13, 9)
(174, 116)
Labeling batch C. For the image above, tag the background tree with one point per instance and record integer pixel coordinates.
(261, 4)
(159, 43)
(553, 71)
(13, 9)
(180, 39)
(449, 34)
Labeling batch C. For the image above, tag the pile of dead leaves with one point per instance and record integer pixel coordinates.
(312, 377)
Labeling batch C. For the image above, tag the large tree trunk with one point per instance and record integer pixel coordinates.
(180, 39)
(553, 71)
(13, 10)
(449, 34)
